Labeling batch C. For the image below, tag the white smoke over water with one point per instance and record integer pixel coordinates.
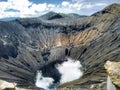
(43, 82)
(70, 70)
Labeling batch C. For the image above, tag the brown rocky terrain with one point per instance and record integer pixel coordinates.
(103, 47)
(113, 70)
(27, 45)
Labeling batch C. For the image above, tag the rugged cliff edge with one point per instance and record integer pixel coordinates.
(113, 69)
(31, 44)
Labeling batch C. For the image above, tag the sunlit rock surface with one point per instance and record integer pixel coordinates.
(113, 70)
(31, 44)
(9, 86)
(4, 84)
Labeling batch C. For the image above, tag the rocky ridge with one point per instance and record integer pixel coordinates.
(27, 42)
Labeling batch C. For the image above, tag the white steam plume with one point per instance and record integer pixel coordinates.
(70, 70)
(43, 82)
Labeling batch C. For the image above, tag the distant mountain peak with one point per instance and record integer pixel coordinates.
(51, 15)
(31, 45)
(51, 12)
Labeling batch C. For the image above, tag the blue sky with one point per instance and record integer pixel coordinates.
(34, 8)
(48, 1)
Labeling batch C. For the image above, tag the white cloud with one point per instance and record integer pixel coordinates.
(51, 6)
(18, 4)
(70, 70)
(29, 9)
(91, 5)
(65, 3)
(25, 7)
(79, 7)
(39, 7)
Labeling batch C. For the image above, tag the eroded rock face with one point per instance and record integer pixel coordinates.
(113, 70)
(37, 44)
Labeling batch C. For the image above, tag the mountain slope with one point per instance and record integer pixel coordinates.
(95, 53)
(33, 44)
(53, 15)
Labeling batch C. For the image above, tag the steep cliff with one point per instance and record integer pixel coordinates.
(31, 44)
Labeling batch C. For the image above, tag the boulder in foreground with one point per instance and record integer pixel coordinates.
(113, 70)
